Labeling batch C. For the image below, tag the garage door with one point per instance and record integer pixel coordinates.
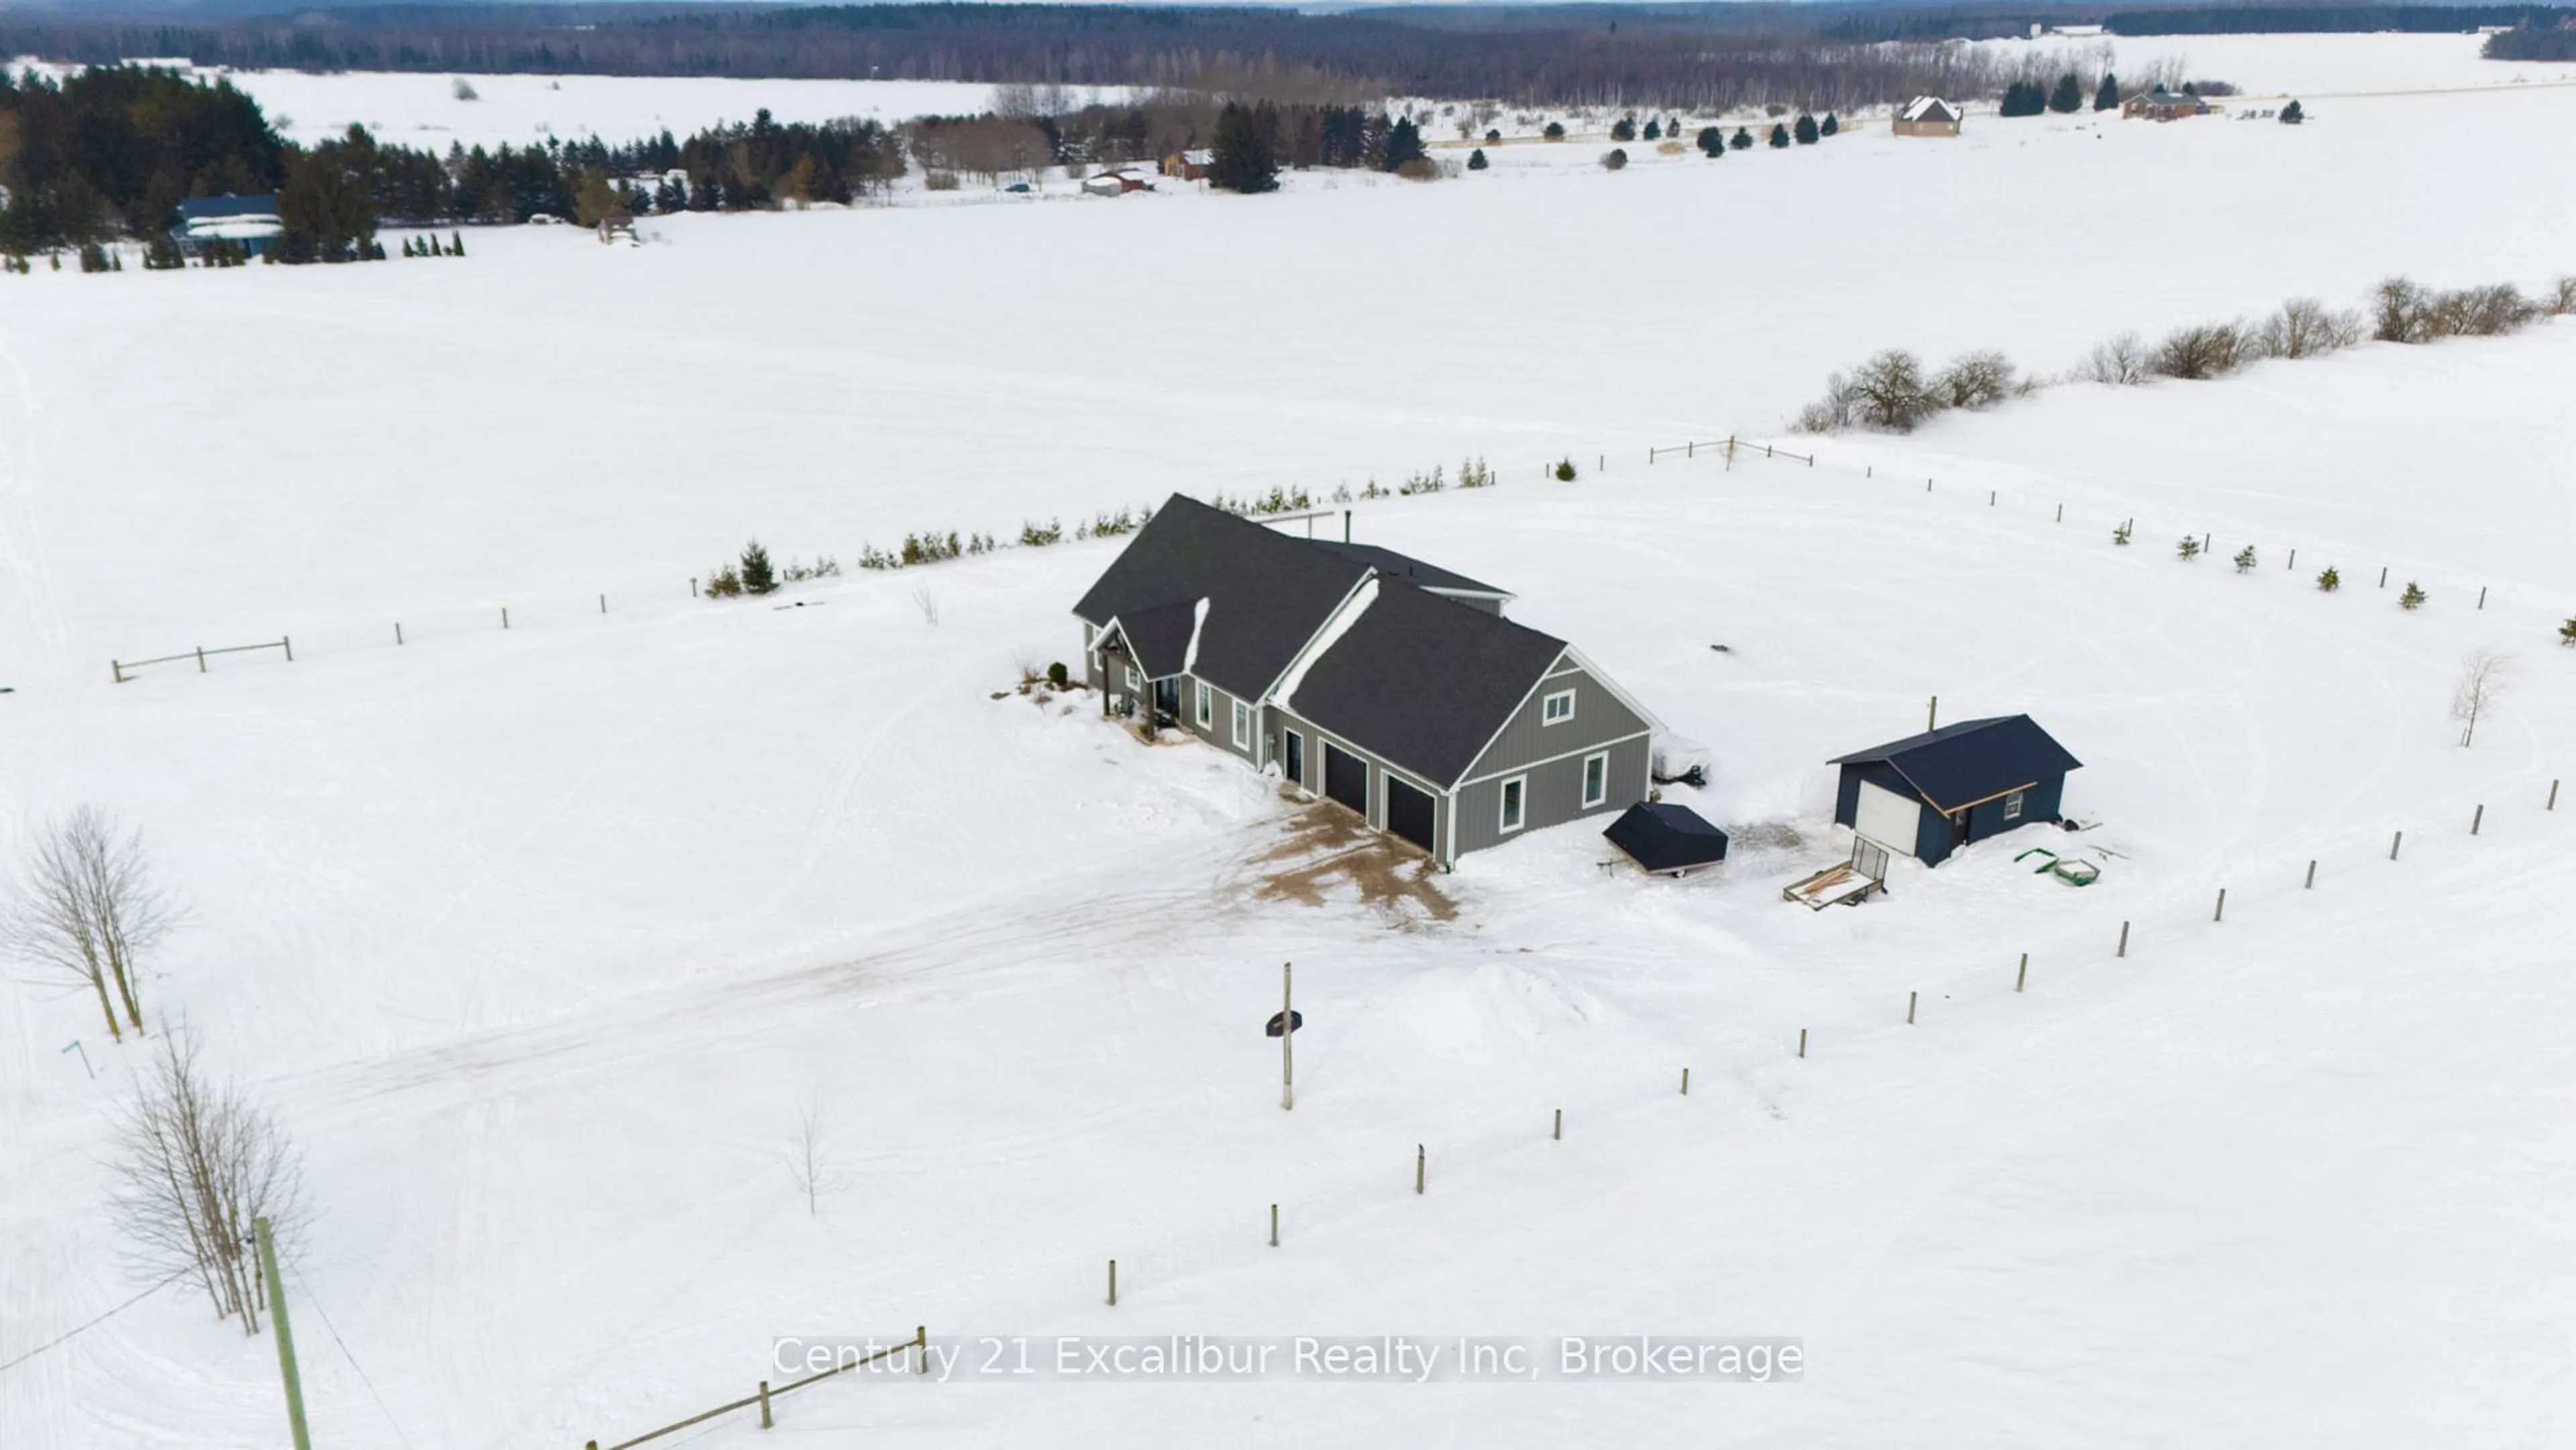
(1887, 818)
(1346, 778)
(1409, 813)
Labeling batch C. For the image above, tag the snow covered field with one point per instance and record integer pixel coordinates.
(538, 940)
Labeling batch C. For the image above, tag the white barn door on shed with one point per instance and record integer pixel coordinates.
(1887, 818)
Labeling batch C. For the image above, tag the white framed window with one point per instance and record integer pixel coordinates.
(1242, 726)
(1207, 705)
(1135, 681)
(1515, 803)
(2012, 806)
(1596, 779)
(1557, 708)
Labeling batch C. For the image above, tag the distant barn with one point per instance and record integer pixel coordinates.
(1927, 795)
(1927, 116)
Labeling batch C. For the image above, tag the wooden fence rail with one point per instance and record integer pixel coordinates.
(119, 667)
(920, 1341)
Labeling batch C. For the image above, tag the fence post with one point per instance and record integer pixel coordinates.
(505, 616)
(118, 670)
(1421, 1166)
(1274, 1225)
(287, 642)
(2394, 842)
(2312, 875)
(1909, 1009)
(921, 1347)
(693, 586)
(1802, 1042)
(1113, 1283)
(2553, 797)
(201, 659)
(2477, 820)
(2020, 978)
(1990, 497)
(1557, 1133)
(2061, 513)
(2482, 596)
(2383, 576)
(1685, 1082)
(2294, 560)
(2221, 913)
(603, 604)
(764, 1405)
(398, 639)
(2124, 940)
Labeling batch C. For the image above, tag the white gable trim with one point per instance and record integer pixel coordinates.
(1512, 714)
(1322, 639)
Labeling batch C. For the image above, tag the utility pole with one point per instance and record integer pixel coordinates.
(1932, 714)
(285, 1337)
(1287, 1036)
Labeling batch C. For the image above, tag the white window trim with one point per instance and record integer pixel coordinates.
(1551, 760)
(1242, 726)
(1135, 681)
(2013, 806)
(1589, 798)
(1207, 705)
(1299, 736)
(1503, 804)
(1547, 708)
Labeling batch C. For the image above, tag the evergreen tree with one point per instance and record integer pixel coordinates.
(2024, 98)
(758, 577)
(2068, 98)
(1243, 158)
(1831, 125)
(1806, 132)
(2331, 580)
(2245, 559)
(1653, 131)
(1742, 140)
(1712, 140)
(1779, 136)
(1403, 144)
(2566, 632)
(1624, 129)
(2106, 96)
(456, 246)
(1555, 131)
(1476, 159)
(2293, 113)
(2413, 598)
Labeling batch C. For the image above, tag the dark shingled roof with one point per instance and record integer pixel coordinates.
(1974, 760)
(1411, 570)
(1665, 837)
(1267, 594)
(1422, 681)
(218, 208)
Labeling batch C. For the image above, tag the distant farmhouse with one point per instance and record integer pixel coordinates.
(249, 222)
(1114, 183)
(1927, 795)
(2163, 105)
(1927, 116)
(1383, 683)
(1188, 165)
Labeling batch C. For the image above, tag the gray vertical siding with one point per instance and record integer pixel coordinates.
(1555, 795)
(1598, 716)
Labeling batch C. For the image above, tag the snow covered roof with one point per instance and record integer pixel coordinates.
(1974, 760)
(1928, 108)
(234, 229)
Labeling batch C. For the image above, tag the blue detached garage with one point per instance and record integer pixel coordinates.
(1927, 795)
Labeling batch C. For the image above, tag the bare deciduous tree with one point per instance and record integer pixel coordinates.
(197, 1164)
(809, 1158)
(1975, 380)
(2483, 676)
(1890, 393)
(928, 603)
(2121, 360)
(2207, 350)
(89, 910)
(2305, 327)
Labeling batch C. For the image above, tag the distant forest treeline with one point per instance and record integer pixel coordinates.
(112, 151)
(1692, 57)
(2329, 19)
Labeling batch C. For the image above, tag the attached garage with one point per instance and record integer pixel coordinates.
(1410, 813)
(1887, 818)
(1346, 778)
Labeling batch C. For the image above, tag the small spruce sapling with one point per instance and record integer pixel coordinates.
(1712, 140)
(2189, 548)
(1059, 676)
(1830, 126)
(758, 576)
(2414, 596)
(1779, 137)
(2120, 535)
(2567, 633)
(2245, 559)
(2331, 580)
(1555, 131)
(1476, 160)
(724, 583)
(1742, 140)
(1565, 470)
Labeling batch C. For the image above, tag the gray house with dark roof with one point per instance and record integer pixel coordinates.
(1927, 795)
(1391, 686)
